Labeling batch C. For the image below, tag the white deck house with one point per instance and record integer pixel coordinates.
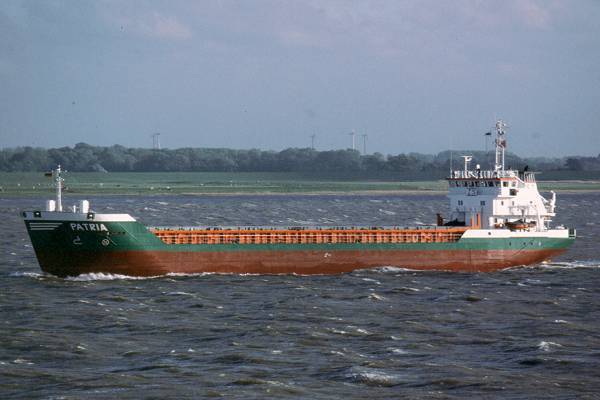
(498, 198)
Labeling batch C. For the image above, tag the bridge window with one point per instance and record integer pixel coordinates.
(482, 202)
(460, 202)
(504, 184)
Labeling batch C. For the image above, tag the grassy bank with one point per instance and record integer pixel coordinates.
(141, 183)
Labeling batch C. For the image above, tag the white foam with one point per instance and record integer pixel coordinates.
(546, 346)
(572, 264)
(386, 212)
(371, 280)
(100, 276)
(389, 268)
(376, 296)
(412, 289)
(376, 377)
(27, 274)
(338, 331)
(176, 274)
(22, 361)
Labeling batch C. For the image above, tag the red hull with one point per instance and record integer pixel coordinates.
(153, 263)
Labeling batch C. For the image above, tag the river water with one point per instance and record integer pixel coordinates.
(522, 333)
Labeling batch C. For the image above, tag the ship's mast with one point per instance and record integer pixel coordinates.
(500, 144)
(467, 161)
(58, 180)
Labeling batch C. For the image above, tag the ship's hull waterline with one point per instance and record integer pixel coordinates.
(155, 263)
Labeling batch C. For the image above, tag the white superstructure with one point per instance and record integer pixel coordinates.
(498, 198)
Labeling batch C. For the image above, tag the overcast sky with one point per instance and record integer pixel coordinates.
(415, 76)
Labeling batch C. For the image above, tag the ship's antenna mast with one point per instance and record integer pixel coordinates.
(58, 180)
(500, 144)
(467, 161)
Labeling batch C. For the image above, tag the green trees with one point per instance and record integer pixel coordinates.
(84, 157)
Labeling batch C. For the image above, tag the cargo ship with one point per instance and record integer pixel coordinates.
(497, 219)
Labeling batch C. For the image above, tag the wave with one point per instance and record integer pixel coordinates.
(546, 346)
(28, 274)
(374, 377)
(101, 276)
(389, 269)
(572, 264)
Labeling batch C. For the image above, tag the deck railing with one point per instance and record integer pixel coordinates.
(318, 236)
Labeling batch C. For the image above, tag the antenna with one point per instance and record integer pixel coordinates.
(58, 180)
(364, 136)
(500, 144)
(353, 134)
(312, 141)
(156, 141)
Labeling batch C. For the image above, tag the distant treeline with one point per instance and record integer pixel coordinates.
(84, 157)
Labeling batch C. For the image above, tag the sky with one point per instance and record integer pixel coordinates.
(415, 76)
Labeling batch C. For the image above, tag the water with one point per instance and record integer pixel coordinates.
(521, 333)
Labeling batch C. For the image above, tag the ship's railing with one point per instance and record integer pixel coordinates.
(487, 174)
(310, 236)
(529, 177)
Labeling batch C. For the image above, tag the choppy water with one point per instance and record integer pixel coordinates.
(388, 333)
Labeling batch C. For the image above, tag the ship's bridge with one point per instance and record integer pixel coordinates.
(498, 199)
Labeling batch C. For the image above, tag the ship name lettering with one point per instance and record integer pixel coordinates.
(85, 226)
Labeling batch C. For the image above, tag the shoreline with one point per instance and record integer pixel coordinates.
(397, 192)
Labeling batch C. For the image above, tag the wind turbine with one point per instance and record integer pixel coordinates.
(353, 134)
(156, 141)
(312, 141)
(364, 136)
